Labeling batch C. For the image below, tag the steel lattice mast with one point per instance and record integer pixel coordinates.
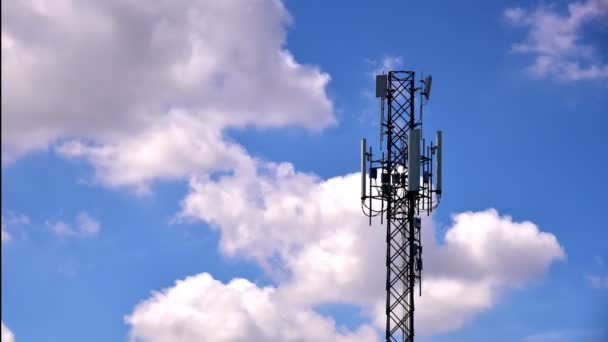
(404, 190)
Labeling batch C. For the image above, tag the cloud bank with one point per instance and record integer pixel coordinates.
(313, 231)
(200, 308)
(109, 76)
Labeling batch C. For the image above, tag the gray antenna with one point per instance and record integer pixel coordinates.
(413, 160)
(427, 86)
(381, 92)
(439, 147)
(363, 167)
(381, 86)
(381, 120)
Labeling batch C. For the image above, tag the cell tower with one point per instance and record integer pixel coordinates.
(400, 188)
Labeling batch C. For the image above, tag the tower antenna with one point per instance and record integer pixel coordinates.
(405, 191)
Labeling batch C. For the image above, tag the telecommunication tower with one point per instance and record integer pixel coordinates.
(402, 184)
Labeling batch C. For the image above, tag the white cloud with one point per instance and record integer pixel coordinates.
(7, 334)
(61, 228)
(200, 308)
(484, 254)
(485, 243)
(171, 148)
(385, 64)
(12, 219)
(6, 236)
(556, 40)
(599, 281)
(600, 261)
(84, 226)
(112, 74)
(551, 336)
(15, 219)
(314, 231)
(562, 336)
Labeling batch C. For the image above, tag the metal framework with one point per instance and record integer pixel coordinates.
(401, 199)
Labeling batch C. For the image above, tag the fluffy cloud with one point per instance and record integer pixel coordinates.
(485, 244)
(7, 334)
(555, 39)
(200, 308)
(314, 231)
(483, 254)
(111, 73)
(85, 226)
(168, 149)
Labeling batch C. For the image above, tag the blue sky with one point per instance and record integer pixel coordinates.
(90, 229)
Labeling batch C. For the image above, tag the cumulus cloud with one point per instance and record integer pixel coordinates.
(314, 231)
(171, 148)
(84, 226)
(200, 308)
(485, 242)
(7, 334)
(555, 40)
(111, 74)
(483, 255)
